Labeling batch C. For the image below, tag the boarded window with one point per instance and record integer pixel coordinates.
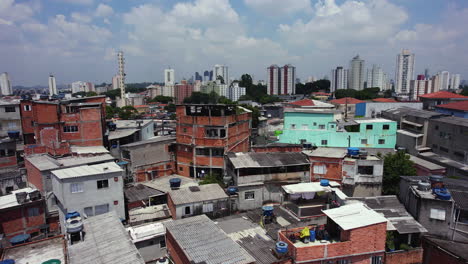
(319, 169)
(438, 214)
(76, 187)
(101, 209)
(207, 208)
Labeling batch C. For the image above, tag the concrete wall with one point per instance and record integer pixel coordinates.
(9, 121)
(151, 249)
(268, 192)
(374, 109)
(448, 139)
(91, 195)
(456, 113)
(197, 209)
(362, 185)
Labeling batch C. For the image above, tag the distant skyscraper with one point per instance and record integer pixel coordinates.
(115, 82)
(404, 72)
(121, 61)
(289, 77)
(52, 85)
(444, 80)
(339, 79)
(169, 77)
(356, 74)
(421, 77)
(435, 83)
(426, 73)
(455, 81)
(221, 70)
(419, 87)
(376, 78)
(198, 77)
(5, 84)
(273, 80)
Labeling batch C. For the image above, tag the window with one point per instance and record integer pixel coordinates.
(101, 209)
(369, 127)
(10, 109)
(184, 129)
(436, 127)
(202, 151)
(11, 125)
(89, 211)
(215, 132)
(363, 141)
(324, 142)
(321, 126)
(315, 123)
(70, 129)
(319, 169)
(459, 155)
(386, 127)
(27, 107)
(332, 126)
(366, 170)
(34, 211)
(293, 126)
(103, 184)
(181, 169)
(9, 189)
(343, 261)
(437, 214)
(207, 208)
(187, 210)
(162, 243)
(76, 187)
(168, 166)
(376, 260)
(381, 141)
(217, 152)
(250, 195)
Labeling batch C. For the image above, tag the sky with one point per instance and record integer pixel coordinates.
(77, 40)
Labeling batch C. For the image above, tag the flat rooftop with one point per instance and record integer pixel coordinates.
(10, 200)
(162, 183)
(88, 170)
(37, 252)
(195, 194)
(45, 162)
(124, 124)
(152, 140)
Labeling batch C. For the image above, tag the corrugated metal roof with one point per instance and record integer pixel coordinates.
(106, 242)
(260, 159)
(116, 134)
(305, 187)
(389, 205)
(88, 150)
(150, 141)
(426, 164)
(140, 192)
(207, 192)
(44, 162)
(151, 213)
(354, 215)
(87, 170)
(203, 242)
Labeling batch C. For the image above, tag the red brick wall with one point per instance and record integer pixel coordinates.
(171, 206)
(8, 161)
(276, 149)
(26, 118)
(34, 176)
(404, 257)
(15, 221)
(333, 166)
(175, 252)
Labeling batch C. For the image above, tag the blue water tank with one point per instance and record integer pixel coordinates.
(175, 182)
(353, 151)
(442, 194)
(232, 190)
(20, 239)
(71, 215)
(324, 182)
(312, 235)
(267, 210)
(13, 134)
(281, 247)
(7, 261)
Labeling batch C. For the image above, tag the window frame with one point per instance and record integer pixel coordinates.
(104, 184)
(33, 211)
(9, 108)
(324, 140)
(79, 187)
(381, 141)
(250, 194)
(70, 129)
(386, 127)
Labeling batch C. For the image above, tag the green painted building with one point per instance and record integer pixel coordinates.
(325, 128)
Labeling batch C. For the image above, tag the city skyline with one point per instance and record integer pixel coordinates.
(83, 37)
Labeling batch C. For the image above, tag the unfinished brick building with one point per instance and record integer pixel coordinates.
(206, 132)
(55, 125)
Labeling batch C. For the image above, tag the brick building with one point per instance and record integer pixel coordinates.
(58, 124)
(182, 91)
(357, 235)
(205, 133)
(437, 250)
(22, 212)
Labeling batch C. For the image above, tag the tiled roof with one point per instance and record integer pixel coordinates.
(384, 100)
(442, 95)
(348, 100)
(264, 159)
(458, 105)
(204, 242)
(303, 102)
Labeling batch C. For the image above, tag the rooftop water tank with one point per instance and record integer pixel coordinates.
(13, 134)
(232, 190)
(20, 239)
(437, 181)
(7, 261)
(324, 182)
(281, 247)
(353, 151)
(175, 183)
(442, 194)
(267, 210)
(74, 225)
(52, 261)
(424, 186)
(72, 215)
(21, 197)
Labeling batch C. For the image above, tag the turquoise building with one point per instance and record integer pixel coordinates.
(327, 129)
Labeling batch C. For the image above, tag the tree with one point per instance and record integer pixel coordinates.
(396, 165)
(342, 93)
(255, 114)
(465, 90)
(112, 93)
(111, 111)
(388, 93)
(128, 112)
(170, 108)
(319, 85)
(162, 99)
(213, 178)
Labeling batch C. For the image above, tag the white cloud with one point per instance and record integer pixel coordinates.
(80, 17)
(104, 10)
(326, 8)
(11, 12)
(195, 36)
(279, 7)
(78, 2)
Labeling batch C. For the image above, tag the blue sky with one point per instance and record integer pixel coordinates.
(77, 39)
